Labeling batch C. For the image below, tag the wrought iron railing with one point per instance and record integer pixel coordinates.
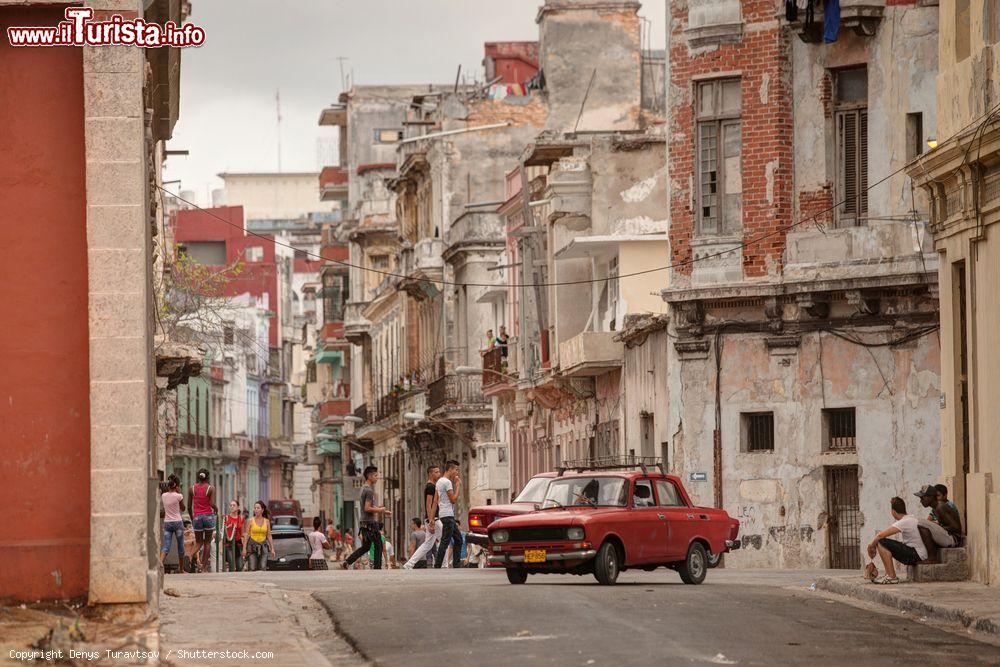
(458, 390)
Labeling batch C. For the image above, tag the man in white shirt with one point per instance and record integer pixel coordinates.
(908, 550)
(449, 490)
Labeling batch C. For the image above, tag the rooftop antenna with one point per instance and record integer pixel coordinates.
(277, 104)
(343, 78)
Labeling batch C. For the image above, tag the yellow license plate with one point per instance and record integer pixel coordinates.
(534, 555)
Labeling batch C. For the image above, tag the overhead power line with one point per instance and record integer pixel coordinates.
(674, 265)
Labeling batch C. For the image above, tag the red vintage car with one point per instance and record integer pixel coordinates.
(528, 500)
(605, 521)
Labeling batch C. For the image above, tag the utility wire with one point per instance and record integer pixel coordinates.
(985, 119)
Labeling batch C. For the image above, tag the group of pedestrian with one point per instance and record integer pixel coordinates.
(201, 509)
(909, 540)
(246, 541)
(440, 527)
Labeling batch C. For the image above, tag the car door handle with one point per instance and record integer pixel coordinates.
(690, 516)
(703, 517)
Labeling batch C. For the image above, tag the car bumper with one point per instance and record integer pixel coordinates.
(732, 544)
(550, 557)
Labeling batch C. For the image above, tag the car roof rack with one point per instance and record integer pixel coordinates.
(620, 462)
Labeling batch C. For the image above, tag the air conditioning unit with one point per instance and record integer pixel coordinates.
(492, 471)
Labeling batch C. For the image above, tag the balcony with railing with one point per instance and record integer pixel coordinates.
(499, 371)
(457, 393)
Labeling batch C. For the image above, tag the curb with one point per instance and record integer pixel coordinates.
(891, 598)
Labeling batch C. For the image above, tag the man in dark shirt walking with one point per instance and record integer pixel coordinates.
(433, 523)
(370, 530)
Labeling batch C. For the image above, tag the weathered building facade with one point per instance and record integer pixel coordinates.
(962, 178)
(585, 199)
(803, 365)
(80, 373)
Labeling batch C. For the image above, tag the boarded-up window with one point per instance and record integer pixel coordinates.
(992, 21)
(718, 158)
(206, 253)
(383, 136)
(963, 29)
(851, 118)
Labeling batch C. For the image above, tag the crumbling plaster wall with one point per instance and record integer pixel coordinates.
(367, 115)
(780, 496)
(958, 105)
(902, 67)
(582, 41)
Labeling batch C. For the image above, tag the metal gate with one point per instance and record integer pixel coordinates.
(843, 509)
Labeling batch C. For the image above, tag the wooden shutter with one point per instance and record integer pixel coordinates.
(852, 166)
(862, 150)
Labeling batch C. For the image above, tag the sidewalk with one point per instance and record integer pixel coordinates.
(971, 605)
(245, 613)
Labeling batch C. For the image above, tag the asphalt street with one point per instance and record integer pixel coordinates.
(474, 617)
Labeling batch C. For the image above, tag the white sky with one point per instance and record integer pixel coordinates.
(255, 47)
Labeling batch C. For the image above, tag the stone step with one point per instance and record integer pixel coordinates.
(953, 565)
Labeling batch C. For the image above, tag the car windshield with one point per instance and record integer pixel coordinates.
(534, 490)
(291, 545)
(285, 521)
(586, 492)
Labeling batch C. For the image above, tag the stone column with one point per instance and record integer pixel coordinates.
(119, 261)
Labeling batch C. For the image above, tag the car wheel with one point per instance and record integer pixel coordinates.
(714, 560)
(516, 575)
(695, 566)
(606, 566)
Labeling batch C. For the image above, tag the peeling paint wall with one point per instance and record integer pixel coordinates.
(780, 497)
(582, 41)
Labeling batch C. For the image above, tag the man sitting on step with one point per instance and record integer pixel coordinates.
(944, 525)
(908, 550)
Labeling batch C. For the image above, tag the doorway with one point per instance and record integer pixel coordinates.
(844, 510)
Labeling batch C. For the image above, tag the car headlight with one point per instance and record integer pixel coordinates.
(500, 536)
(574, 533)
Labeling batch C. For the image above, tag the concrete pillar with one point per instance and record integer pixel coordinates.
(120, 332)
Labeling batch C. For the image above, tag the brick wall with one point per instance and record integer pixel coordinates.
(761, 58)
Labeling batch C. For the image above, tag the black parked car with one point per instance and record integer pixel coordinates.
(291, 550)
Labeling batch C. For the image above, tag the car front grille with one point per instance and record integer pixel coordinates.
(538, 534)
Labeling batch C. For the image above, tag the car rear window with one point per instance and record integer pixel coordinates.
(290, 545)
(534, 490)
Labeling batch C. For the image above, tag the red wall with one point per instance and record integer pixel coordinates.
(256, 278)
(44, 372)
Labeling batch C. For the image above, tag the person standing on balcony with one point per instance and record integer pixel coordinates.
(201, 504)
(491, 342)
(501, 341)
(434, 527)
(370, 529)
(449, 490)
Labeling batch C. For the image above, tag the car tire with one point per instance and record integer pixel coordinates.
(517, 575)
(695, 566)
(606, 565)
(714, 560)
